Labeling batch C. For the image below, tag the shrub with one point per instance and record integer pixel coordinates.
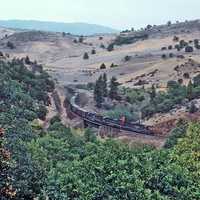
(189, 49)
(103, 66)
(127, 58)
(81, 38)
(110, 47)
(10, 45)
(170, 47)
(176, 39)
(85, 56)
(164, 48)
(102, 46)
(93, 51)
(171, 55)
(164, 56)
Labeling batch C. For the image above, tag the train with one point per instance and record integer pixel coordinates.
(99, 120)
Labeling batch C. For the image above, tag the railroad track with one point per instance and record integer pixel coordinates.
(97, 120)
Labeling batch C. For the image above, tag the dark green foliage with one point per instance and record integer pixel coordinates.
(113, 93)
(103, 66)
(110, 47)
(170, 47)
(164, 56)
(55, 119)
(127, 58)
(120, 40)
(81, 38)
(102, 46)
(10, 45)
(189, 49)
(85, 56)
(176, 39)
(19, 106)
(193, 108)
(196, 81)
(104, 85)
(98, 92)
(176, 134)
(93, 51)
(153, 92)
(27, 60)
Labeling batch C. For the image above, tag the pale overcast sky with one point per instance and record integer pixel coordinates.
(119, 14)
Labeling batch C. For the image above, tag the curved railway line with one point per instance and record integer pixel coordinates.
(97, 120)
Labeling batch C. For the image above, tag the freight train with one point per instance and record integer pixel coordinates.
(99, 120)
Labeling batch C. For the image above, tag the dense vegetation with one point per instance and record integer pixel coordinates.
(65, 164)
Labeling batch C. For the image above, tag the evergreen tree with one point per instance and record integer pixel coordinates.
(104, 85)
(196, 81)
(93, 51)
(98, 92)
(190, 91)
(85, 56)
(113, 88)
(103, 66)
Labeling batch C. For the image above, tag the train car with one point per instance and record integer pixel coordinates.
(106, 121)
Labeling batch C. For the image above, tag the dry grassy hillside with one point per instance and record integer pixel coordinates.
(64, 58)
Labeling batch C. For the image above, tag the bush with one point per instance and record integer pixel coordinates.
(171, 55)
(164, 56)
(103, 66)
(85, 56)
(93, 51)
(127, 58)
(176, 39)
(170, 47)
(10, 45)
(189, 49)
(110, 47)
(102, 46)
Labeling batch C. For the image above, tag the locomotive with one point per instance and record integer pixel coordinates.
(100, 120)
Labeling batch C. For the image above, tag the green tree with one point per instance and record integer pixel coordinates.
(110, 47)
(85, 56)
(104, 85)
(113, 93)
(98, 92)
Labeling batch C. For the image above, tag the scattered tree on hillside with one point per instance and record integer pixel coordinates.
(110, 47)
(85, 56)
(81, 38)
(10, 45)
(102, 46)
(93, 51)
(63, 34)
(176, 39)
(103, 66)
(189, 49)
(127, 58)
(27, 60)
